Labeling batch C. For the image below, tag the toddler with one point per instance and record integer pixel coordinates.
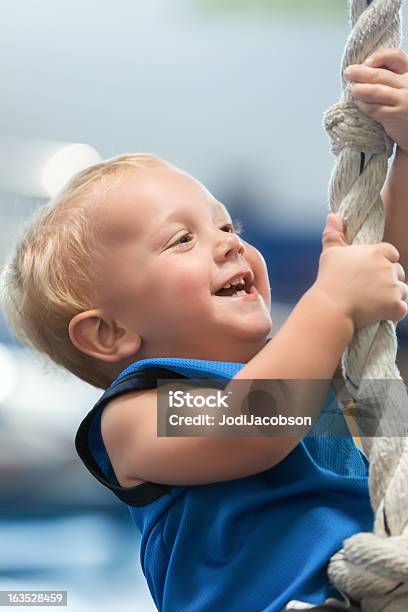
(135, 273)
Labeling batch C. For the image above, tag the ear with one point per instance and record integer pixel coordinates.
(102, 338)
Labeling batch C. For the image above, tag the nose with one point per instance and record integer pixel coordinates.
(227, 243)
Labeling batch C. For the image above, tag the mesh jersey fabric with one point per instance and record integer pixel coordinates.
(254, 543)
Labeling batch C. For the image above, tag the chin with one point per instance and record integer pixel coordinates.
(256, 332)
(243, 344)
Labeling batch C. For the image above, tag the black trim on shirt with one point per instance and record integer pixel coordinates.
(146, 492)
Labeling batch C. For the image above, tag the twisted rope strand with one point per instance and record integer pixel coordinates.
(371, 567)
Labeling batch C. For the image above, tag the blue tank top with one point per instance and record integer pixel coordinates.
(250, 544)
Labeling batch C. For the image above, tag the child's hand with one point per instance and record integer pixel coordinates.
(364, 281)
(380, 89)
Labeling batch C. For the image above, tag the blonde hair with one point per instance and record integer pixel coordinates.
(50, 278)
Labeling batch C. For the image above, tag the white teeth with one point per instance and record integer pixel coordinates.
(239, 281)
(239, 293)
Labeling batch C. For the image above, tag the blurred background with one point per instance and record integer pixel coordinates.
(232, 91)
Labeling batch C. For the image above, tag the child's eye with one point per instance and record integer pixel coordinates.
(235, 227)
(179, 242)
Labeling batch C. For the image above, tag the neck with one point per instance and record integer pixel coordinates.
(244, 354)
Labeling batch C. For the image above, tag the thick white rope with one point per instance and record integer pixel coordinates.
(372, 567)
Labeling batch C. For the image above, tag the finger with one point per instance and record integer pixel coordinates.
(405, 313)
(389, 251)
(404, 291)
(378, 112)
(375, 94)
(400, 272)
(335, 221)
(333, 232)
(393, 59)
(358, 73)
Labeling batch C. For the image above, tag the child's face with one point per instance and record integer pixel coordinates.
(163, 288)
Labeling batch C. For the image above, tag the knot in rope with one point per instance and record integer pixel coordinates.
(347, 126)
(371, 566)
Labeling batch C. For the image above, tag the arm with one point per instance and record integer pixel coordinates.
(314, 322)
(129, 422)
(395, 199)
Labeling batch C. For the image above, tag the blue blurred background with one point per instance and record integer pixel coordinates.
(234, 93)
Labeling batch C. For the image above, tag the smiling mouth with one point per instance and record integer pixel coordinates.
(249, 294)
(235, 290)
(232, 292)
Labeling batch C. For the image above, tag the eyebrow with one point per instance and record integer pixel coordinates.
(217, 207)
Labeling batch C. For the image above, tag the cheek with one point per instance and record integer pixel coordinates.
(260, 270)
(180, 280)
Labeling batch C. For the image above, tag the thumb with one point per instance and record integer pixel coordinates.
(333, 233)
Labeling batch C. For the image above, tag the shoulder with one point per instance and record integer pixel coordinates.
(137, 453)
(121, 415)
